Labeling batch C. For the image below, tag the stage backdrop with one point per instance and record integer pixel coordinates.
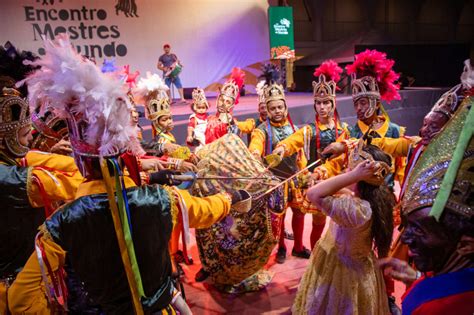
(209, 37)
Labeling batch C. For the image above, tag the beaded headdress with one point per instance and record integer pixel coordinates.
(14, 115)
(373, 78)
(153, 91)
(49, 129)
(272, 90)
(199, 97)
(14, 109)
(453, 145)
(231, 88)
(358, 155)
(448, 102)
(328, 75)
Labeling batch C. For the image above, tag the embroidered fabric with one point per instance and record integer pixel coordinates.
(342, 277)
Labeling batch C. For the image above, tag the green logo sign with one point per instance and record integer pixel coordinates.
(282, 42)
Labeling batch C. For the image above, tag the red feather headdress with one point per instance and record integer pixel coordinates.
(330, 69)
(375, 64)
(238, 76)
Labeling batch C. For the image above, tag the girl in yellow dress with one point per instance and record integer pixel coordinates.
(342, 277)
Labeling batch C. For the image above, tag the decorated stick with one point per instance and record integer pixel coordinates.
(289, 178)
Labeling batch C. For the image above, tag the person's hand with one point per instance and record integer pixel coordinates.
(164, 177)
(365, 170)
(315, 177)
(194, 159)
(398, 270)
(319, 173)
(187, 167)
(189, 139)
(304, 179)
(170, 147)
(62, 147)
(151, 165)
(280, 151)
(334, 150)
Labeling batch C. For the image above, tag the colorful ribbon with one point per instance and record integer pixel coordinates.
(124, 238)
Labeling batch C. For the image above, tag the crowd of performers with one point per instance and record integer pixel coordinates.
(95, 220)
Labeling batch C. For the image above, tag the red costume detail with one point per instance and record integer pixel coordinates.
(237, 75)
(192, 120)
(215, 129)
(375, 64)
(330, 70)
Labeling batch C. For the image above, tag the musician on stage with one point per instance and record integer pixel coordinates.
(166, 63)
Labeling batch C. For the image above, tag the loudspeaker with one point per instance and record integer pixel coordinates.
(188, 93)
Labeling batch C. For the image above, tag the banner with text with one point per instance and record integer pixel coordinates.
(209, 37)
(282, 43)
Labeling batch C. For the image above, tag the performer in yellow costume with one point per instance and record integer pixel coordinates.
(315, 137)
(372, 81)
(264, 139)
(31, 182)
(115, 235)
(153, 93)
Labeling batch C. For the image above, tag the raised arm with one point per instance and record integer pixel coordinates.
(293, 143)
(332, 185)
(344, 209)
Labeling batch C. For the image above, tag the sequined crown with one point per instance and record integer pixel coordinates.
(430, 169)
(49, 128)
(448, 102)
(274, 92)
(199, 97)
(158, 105)
(365, 87)
(323, 90)
(230, 89)
(14, 115)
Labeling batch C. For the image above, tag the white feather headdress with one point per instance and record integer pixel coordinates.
(153, 93)
(467, 77)
(79, 92)
(259, 89)
(150, 84)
